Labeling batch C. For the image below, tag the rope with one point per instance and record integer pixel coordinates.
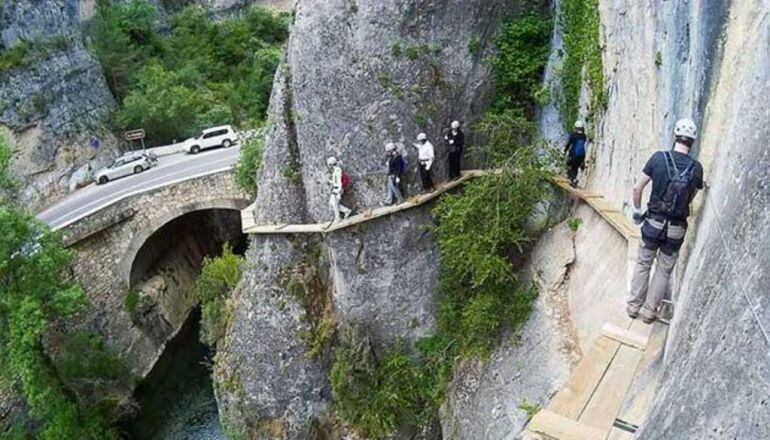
(752, 307)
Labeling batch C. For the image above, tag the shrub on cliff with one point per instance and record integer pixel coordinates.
(33, 294)
(217, 280)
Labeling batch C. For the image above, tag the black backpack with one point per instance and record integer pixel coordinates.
(675, 201)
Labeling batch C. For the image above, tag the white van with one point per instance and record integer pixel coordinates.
(223, 136)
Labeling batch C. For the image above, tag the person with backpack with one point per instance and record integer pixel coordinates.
(676, 178)
(425, 155)
(576, 152)
(455, 140)
(338, 182)
(396, 169)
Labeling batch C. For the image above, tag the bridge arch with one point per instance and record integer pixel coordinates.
(141, 236)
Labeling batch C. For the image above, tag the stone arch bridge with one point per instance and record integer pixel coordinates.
(117, 248)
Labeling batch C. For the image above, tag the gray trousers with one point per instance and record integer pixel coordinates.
(646, 294)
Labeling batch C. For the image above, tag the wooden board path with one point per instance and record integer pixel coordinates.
(250, 227)
(596, 394)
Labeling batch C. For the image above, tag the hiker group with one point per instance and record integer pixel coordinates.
(676, 178)
(396, 163)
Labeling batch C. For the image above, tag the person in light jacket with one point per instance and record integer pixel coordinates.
(336, 189)
(425, 156)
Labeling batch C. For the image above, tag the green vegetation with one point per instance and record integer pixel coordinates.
(523, 47)
(480, 296)
(249, 163)
(658, 59)
(203, 73)
(574, 223)
(376, 397)
(27, 53)
(474, 46)
(530, 408)
(582, 46)
(217, 280)
(33, 295)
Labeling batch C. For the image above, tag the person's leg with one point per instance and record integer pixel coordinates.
(658, 284)
(335, 206)
(673, 238)
(454, 165)
(424, 177)
(640, 279)
(429, 179)
(344, 209)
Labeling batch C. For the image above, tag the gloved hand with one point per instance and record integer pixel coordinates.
(452, 142)
(639, 216)
(398, 180)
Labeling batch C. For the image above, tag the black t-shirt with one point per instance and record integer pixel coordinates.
(657, 170)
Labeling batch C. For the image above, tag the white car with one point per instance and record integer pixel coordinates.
(126, 165)
(223, 136)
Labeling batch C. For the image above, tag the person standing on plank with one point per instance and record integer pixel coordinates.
(455, 140)
(336, 186)
(576, 152)
(676, 178)
(426, 156)
(396, 170)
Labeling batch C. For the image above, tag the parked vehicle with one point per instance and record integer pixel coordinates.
(223, 136)
(130, 163)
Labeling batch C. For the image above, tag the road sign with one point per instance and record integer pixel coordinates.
(134, 135)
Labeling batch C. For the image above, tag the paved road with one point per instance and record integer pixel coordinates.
(170, 169)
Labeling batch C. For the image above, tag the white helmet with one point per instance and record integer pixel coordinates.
(580, 125)
(331, 161)
(422, 137)
(686, 128)
(390, 146)
(455, 124)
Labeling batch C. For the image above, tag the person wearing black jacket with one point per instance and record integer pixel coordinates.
(455, 141)
(576, 152)
(396, 170)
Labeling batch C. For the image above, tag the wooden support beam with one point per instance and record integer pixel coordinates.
(624, 336)
(557, 426)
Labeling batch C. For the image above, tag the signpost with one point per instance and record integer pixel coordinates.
(135, 135)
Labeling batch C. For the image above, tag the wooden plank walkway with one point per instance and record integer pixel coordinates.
(596, 394)
(249, 225)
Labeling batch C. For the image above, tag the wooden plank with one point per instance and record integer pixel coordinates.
(559, 427)
(575, 394)
(642, 390)
(624, 336)
(607, 400)
(619, 434)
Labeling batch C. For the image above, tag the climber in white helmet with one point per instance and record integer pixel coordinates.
(336, 181)
(425, 156)
(576, 152)
(676, 178)
(455, 141)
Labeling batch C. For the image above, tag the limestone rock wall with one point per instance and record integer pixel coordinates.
(357, 74)
(53, 107)
(712, 66)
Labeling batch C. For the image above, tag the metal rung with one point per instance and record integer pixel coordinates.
(625, 426)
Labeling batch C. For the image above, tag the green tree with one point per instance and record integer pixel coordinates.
(219, 276)
(249, 163)
(33, 294)
(163, 106)
(523, 48)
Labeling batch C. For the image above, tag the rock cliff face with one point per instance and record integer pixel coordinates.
(662, 61)
(356, 75)
(53, 105)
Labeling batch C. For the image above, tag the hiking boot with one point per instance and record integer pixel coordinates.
(632, 313)
(648, 319)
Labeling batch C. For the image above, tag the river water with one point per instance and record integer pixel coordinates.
(177, 399)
